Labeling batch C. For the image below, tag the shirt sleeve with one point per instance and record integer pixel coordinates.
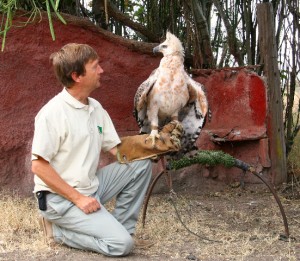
(45, 140)
(110, 136)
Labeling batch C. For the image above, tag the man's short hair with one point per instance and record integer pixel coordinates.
(72, 58)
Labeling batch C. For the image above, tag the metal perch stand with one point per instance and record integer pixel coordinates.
(213, 158)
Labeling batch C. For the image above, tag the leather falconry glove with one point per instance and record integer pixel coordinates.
(136, 147)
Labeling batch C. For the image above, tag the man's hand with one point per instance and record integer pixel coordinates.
(87, 204)
(45, 172)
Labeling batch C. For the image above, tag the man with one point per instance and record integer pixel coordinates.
(71, 130)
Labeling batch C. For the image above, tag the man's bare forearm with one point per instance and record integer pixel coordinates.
(50, 177)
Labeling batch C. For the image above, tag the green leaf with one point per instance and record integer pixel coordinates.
(55, 6)
(50, 20)
(6, 28)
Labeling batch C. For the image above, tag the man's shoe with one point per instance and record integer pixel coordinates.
(46, 226)
(141, 243)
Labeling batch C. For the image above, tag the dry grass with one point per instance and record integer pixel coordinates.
(246, 222)
(19, 224)
(19, 229)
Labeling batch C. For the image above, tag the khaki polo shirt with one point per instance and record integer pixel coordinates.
(70, 136)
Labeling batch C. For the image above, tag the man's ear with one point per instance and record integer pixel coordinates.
(75, 77)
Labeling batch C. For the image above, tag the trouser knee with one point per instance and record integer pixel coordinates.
(125, 246)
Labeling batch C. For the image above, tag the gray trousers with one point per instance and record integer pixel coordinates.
(101, 231)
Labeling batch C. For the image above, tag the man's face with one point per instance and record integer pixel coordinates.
(91, 79)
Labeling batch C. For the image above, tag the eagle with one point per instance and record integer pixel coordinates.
(169, 94)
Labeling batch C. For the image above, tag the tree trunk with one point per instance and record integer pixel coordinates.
(99, 13)
(114, 12)
(275, 129)
(203, 37)
(131, 44)
(291, 95)
(233, 42)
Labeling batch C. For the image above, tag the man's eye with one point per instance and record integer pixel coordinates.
(164, 46)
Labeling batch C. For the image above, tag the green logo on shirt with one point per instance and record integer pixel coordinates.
(100, 129)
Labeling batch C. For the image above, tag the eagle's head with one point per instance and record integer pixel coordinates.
(170, 46)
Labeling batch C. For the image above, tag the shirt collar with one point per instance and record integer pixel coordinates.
(68, 98)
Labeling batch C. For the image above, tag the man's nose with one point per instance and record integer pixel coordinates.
(100, 69)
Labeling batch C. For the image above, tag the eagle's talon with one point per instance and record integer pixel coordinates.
(152, 137)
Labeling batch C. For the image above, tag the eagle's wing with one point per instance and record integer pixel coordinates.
(140, 102)
(192, 126)
(192, 116)
(197, 96)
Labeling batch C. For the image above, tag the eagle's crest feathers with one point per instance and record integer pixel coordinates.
(171, 46)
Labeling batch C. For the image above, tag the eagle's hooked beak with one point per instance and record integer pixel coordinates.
(156, 49)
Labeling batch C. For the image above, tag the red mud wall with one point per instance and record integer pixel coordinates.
(27, 82)
(237, 100)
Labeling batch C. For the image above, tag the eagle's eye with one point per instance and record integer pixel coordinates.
(164, 46)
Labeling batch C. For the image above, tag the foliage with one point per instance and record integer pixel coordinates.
(9, 7)
(205, 157)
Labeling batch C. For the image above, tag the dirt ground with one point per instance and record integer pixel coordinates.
(230, 223)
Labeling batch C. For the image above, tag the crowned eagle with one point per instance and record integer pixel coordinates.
(170, 93)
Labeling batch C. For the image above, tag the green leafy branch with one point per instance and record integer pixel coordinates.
(8, 9)
(205, 157)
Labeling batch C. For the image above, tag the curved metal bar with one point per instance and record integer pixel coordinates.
(287, 233)
(149, 194)
(242, 165)
(239, 164)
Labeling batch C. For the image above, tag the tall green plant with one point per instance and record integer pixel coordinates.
(8, 10)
